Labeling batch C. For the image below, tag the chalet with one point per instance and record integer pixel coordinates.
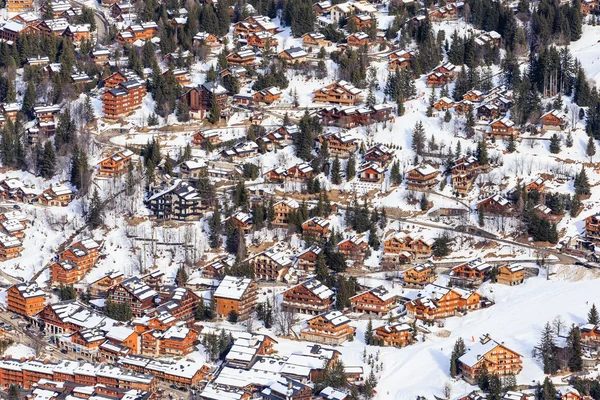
(588, 6)
(314, 40)
(116, 164)
(216, 268)
(358, 39)
(54, 27)
(77, 33)
(192, 170)
(46, 113)
(351, 117)
(123, 99)
(590, 333)
(283, 209)
(423, 177)
(538, 184)
(354, 248)
(56, 195)
(435, 302)
(143, 31)
(443, 104)
(271, 265)
(240, 151)
(206, 39)
(10, 110)
(249, 349)
(12, 30)
(396, 334)
(592, 228)
(293, 55)
(307, 258)
(285, 388)
(331, 328)
(136, 293)
(176, 341)
(237, 295)
(208, 138)
(511, 275)
(497, 358)
(399, 242)
(379, 154)
(491, 38)
(262, 40)
(344, 10)
(339, 144)
(553, 121)
(317, 227)
(74, 262)
(502, 127)
(178, 201)
(299, 173)
(339, 92)
(102, 284)
(242, 221)
(17, 6)
(267, 96)
(436, 80)
(180, 76)
(474, 96)
(276, 175)
(448, 12)
(378, 301)
(120, 8)
(419, 275)
(400, 60)
(199, 99)
(322, 7)
(496, 205)
(470, 273)
(37, 60)
(27, 18)
(371, 172)
(25, 298)
(487, 112)
(310, 297)
(242, 57)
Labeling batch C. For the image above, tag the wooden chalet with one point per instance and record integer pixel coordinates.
(359, 39)
(330, 328)
(123, 99)
(371, 173)
(262, 40)
(317, 227)
(322, 7)
(242, 221)
(236, 294)
(419, 275)
(497, 358)
(435, 302)
(116, 164)
(57, 195)
(177, 200)
(134, 292)
(283, 209)
(399, 242)
(378, 301)
(307, 258)
(271, 264)
(207, 138)
(423, 177)
(299, 173)
(502, 127)
(310, 297)
(400, 60)
(590, 333)
(470, 273)
(592, 228)
(463, 174)
(443, 104)
(589, 6)
(206, 39)
(354, 248)
(487, 112)
(450, 11)
(474, 96)
(379, 154)
(339, 144)
(351, 117)
(495, 205)
(395, 334)
(243, 57)
(553, 121)
(18, 6)
(293, 55)
(143, 31)
(267, 96)
(314, 40)
(199, 99)
(362, 22)
(511, 275)
(25, 299)
(339, 92)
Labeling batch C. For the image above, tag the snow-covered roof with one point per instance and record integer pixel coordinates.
(232, 287)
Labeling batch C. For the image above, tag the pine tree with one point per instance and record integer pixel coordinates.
(418, 138)
(183, 111)
(569, 140)
(590, 150)
(76, 177)
(336, 175)
(371, 101)
(511, 147)
(88, 109)
(94, 216)
(548, 350)
(214, 113)
(483, 379)
(181, 277)
(351, 168)
(369, 332)
(29, 100)
(574, 350)
(48, 161)
(593, 317)
(395, 175)
(582, 185)
(554, 144)
(482, 153)
(458, 351)
(14, 393)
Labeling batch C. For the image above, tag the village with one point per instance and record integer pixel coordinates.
(288, 200)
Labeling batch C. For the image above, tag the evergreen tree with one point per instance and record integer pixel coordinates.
(183, 111)
(593, 317)
(214, 113)
(554, 144)
(48, 161)
(369, 332)
(582, 185)
(482, 153)
(418, 138)
(483, 379)
(569, 140)
(458, 351)
(14, 393)
(590, 150)
(94, 216)
(29, 100)
(336, 175)
(574, 350)
(351, 168)
(395, 175)
(88, 109)
(511, 147)
(548, 350)
(181, 277)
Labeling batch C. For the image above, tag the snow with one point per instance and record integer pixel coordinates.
(19, 350)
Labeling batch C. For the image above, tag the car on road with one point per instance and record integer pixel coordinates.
(63, 351)
(49, 348)
(14, 317)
